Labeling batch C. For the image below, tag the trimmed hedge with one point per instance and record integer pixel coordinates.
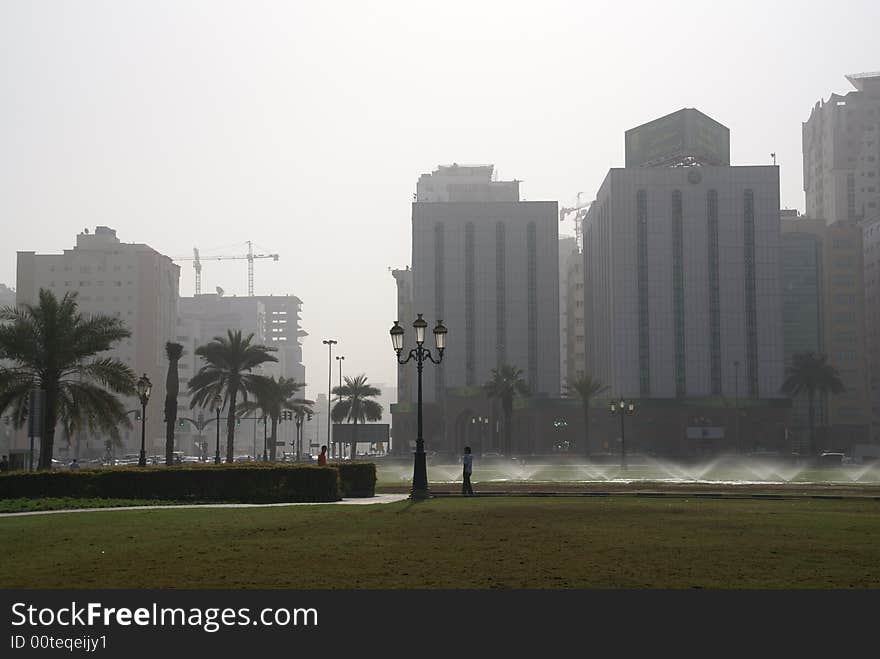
(356, 479)
(251, 483)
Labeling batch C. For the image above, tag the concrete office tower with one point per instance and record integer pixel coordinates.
(465, 183)
(7, 296)
(841, 148)
(803, 311)
(574, 317)
(405, 374)
(567, 251)
(490, 270)
(131, 281)
(871, 248)
(274, 321)
(682, 279)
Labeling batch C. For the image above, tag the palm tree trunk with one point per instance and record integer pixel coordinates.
(47, 434)
(172, 388)
(230, 427)
(586, 428)
(274, 439)
(811, 416)
(354, 438)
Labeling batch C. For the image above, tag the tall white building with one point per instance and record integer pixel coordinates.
(682, 275)
(841, 148)
(131, 281)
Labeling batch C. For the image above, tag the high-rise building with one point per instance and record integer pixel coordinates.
(7, 296)
(682, 286)
(273, 320)
(803, 310)
(130, 281)
(841, 150)
(568, 251)
(841, 147)
(871, 246)
(487, 265)
(574, 317)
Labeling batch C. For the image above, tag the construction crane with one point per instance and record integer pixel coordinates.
(196, 258)
(580, 212)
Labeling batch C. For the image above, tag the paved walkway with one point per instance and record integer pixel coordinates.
(379, 498)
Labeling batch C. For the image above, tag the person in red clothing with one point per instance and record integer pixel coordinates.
(322, 457)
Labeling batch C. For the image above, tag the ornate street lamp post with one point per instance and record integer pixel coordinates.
(298, 420)
(144, 387)
(329, 343)
(622, 408)
(218, 403)
(420, 354)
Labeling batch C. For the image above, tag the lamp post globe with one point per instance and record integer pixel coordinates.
(218, 404)
(144, 388)
(419, 354)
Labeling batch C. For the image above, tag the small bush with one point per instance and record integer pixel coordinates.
(357, 479)
(241, 483)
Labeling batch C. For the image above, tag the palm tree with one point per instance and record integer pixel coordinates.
(271, 398)
(174, 351)
(51, 346)
(586, 388)
(812, 373)
(354, 405)
(230, 360)
(506, 384)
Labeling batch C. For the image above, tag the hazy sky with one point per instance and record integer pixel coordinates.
(303, 126)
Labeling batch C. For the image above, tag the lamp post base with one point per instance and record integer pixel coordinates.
(419, 495)
(142, 460)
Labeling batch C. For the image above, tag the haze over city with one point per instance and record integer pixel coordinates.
(304, 127)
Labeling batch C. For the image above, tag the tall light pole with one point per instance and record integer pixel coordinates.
(298, 419)
(339, 359)
(621, 408)
(329, 343)
(144, 387)
(420, 354)
(736, 402)
(218, 403)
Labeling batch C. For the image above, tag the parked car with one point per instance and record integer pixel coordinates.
(831, 458)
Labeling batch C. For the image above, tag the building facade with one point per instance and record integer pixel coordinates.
(130, 281)
(567, 251)
(682, 293)
(487, 265)
(841, 151)
(574, 318)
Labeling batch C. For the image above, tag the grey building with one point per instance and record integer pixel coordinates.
(802, 308)
(487, 265)
(682, 282)
(682, 291)
(490, 271)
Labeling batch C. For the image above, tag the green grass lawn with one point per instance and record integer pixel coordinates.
(515, 542)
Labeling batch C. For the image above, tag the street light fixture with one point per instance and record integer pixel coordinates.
(329, 343)
(622, 408)
(480, 422)
(420, 354)
(218, 403)
(144, 388)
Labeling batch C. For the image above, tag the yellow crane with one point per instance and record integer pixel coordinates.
(196, 258)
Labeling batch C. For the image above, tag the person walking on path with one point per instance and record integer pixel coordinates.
(467, 461)
(4, 464)
(322, 457)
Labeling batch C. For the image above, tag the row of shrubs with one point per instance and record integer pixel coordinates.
(249, 483)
